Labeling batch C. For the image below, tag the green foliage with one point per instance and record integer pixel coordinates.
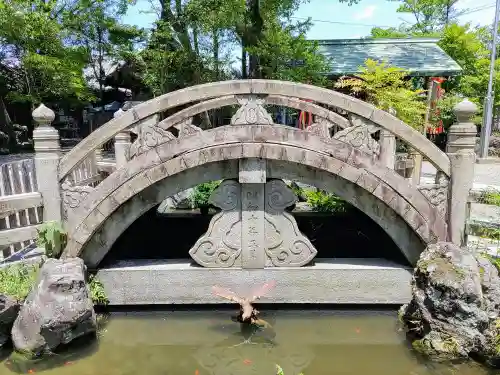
(387, 88)
(48, 68)
(321, 201)
(53, 238)
(201, 194)
(468, 46)
(97, 292)
(430, 15)
(490, 196)
(17, 280)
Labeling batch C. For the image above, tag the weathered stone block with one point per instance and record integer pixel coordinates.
(57, 311)
(455, 306)
(9, 308)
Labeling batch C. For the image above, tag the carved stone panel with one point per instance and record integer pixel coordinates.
(437, 194)
(321, 128)
(220, 246)
(253, 230)
(285, 245)
(149, 135)
(251, 112)
(72, 196)
(253, 238)
(186, 128)
(360, 135)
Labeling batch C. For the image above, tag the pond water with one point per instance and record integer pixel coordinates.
(206, 342)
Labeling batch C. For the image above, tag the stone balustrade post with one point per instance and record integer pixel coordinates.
(47, 156)
(460, 150)
(122, 144)
(98, 154)
(387, 149)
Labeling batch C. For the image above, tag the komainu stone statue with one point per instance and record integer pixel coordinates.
(221, 245)
(455, 309)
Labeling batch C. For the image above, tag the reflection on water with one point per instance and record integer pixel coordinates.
(198, 343)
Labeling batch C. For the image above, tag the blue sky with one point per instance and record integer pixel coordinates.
(333, 20)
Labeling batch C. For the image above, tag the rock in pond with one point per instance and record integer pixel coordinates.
(9, 308)
(454, 311)
(58, 309)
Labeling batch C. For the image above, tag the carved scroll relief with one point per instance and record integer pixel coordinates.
(149, 135)
(321, 128)
(437, 194)
(72, 196)
(359, 135)
(251, 112)
(282, 242)
(186, 128)
(220, 246)
(285, 244)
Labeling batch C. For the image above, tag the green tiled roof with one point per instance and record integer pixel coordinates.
(421, 56)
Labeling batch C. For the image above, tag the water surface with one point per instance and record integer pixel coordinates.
(206, 342)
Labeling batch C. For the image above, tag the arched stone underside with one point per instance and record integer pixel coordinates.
(291, 154)
(401, 233)
(244, 89)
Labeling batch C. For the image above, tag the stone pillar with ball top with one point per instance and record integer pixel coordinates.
(460, 150)
(47, 156)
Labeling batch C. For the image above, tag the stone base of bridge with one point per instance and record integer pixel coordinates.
(338, 281)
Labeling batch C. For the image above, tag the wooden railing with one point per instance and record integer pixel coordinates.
(20, 206)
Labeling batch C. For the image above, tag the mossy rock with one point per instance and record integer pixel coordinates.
(439, 348)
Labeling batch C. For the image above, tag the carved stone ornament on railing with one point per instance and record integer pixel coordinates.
(72, 196)
(321, 127)
(251, 112)
(221, 245)
(359, 135)
(437, 194)
(149, 135)
(186, 128)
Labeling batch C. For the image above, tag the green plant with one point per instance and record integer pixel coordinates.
(53, 238)
(490, 196)
(97, 292)
(17, 280)
(201, 194)
(325, 202)
(388, 88)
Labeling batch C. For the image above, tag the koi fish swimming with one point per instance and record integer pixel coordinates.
(248, 316)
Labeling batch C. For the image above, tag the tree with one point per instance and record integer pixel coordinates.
(32, 43)
(430, 15)
(387, 88)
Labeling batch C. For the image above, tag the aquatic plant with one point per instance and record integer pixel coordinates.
(279, 370)
(321, 201)
(17, 280)
(97, 292)
(201, 194)
(53, 238)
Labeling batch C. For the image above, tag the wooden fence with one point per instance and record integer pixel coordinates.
(20, 206)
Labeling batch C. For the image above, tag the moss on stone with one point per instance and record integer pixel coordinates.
(444, 269)
(422, 346)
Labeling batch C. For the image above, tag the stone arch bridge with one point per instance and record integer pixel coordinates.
(349, 151)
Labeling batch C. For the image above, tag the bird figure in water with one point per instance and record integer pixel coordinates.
(248, 316)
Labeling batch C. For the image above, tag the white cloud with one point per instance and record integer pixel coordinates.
(366, 13)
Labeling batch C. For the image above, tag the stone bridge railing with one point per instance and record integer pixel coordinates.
(85, 168)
